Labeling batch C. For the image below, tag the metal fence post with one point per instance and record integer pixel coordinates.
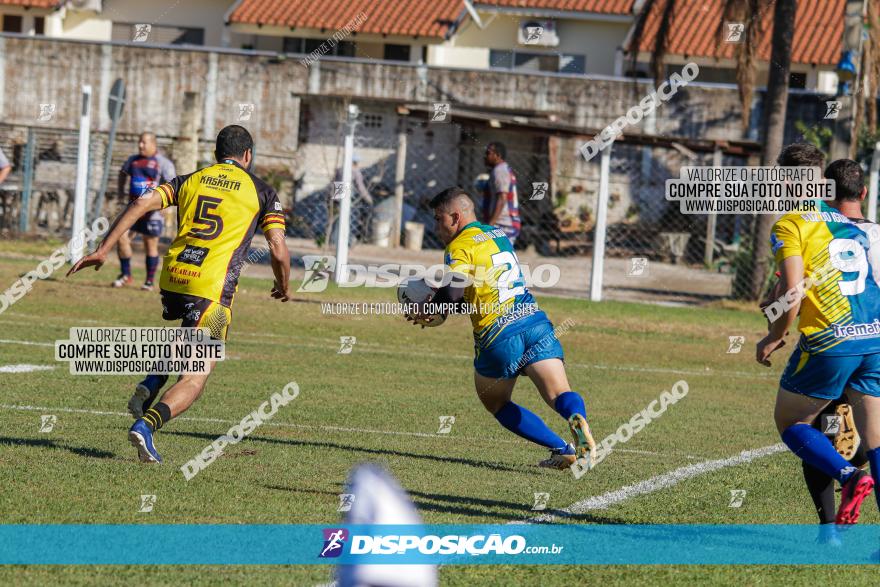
(712, 220)
(342, 230)
(24, 215)
(601, 225)
(399, 178)
(82, 176)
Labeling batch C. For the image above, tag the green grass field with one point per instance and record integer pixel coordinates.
(382, 403)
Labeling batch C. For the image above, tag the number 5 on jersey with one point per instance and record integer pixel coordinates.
(212, 224)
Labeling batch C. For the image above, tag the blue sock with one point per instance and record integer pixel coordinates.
(570, 403)
(126, 266)
(814, 448)
(874, 459)
(152, 263)
(526, 424)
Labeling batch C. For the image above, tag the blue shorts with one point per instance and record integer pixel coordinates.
(151, 227)
(827, 376)
(506, 358)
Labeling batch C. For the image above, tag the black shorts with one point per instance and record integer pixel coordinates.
(195, 312)
(147, 227)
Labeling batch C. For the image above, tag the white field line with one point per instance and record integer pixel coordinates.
(21, 368)
(375, 348)
(49, 410)
(656, 483)
(26, 342)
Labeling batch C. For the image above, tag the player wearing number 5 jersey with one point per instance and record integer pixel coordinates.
(512, 336)
(834, 254)
(219, 209)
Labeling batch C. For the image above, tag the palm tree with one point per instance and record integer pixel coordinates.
(775, 104)
(751, 13)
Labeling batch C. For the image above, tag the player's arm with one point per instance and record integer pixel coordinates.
(786, 244)
(272, 224)
(4, 172)
(501, 186)
(452, 293)
(149, 202)
(500, 203)
(280, 257)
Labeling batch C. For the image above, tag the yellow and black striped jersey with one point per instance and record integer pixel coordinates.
(219, 209)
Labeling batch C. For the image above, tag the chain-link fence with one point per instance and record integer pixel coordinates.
(558, 193)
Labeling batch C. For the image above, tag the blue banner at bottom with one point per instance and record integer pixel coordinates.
(525, 544)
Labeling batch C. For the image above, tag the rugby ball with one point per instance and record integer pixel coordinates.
(415, 291)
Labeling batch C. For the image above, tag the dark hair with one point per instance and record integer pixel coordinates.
(448, 196)
(801, 155)
(849, 179)
(233, 141)
(499, 148)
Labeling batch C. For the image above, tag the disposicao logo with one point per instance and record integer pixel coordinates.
(334, 540)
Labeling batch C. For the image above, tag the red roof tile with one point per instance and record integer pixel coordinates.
(31, 3)
(600, 6)
(426, 18)
(693, 30)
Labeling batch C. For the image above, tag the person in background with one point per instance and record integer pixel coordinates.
(500, 203)
(5, 167)
(143, 172)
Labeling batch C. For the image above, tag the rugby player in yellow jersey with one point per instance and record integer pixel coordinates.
(838, 251)
(219, 209)
(512, 336)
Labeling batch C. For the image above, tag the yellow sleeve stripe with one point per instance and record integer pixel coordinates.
(168, 195)
(272, 219)
(270, 226)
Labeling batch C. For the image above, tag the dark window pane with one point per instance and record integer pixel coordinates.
(313, 45)
(500, 59)
(345, 49)
(190, 37)
(572, 63)
(12, 23)
(535, 62)
(798, 80)
(396, 52)
(292, 45)
(39, 25)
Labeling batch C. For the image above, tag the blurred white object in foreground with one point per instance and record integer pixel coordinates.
(379, 499)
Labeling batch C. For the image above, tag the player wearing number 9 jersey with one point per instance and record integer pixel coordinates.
(219, 209)
(512, 336)
(834, 254)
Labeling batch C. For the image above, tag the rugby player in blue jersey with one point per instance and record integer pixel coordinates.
(512, 336)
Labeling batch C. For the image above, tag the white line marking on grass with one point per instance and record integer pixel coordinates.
(27, 342)
(309, 427)
(25, 368)
(656, 483)
(366, 348)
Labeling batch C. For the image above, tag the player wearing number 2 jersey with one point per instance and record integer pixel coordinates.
(219, 209)
(512, 336)
(835, 252)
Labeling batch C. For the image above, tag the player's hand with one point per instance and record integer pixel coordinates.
(766, 347)
(281, 293)
(95, 260)
(419, 316)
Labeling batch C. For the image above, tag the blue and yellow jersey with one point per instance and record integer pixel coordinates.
(840, 313)
(499, 302)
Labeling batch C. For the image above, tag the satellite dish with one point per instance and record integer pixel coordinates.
(116, 100)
